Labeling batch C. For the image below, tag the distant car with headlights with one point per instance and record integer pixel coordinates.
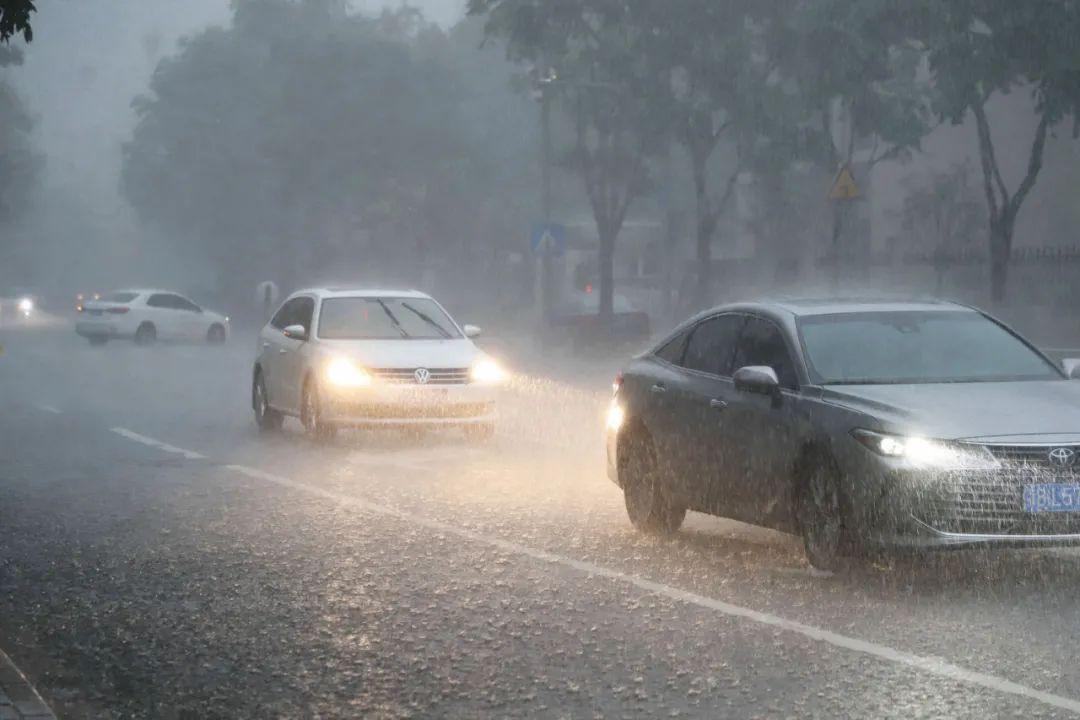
(920, 424)
(336, 357)
(147, 316)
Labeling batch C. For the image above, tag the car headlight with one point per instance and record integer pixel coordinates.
(615, 416)
(26, 305)
(487, 371)
(345, 373)
(926, 453)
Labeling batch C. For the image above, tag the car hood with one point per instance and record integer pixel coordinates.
(456, 353)
(1042, 411)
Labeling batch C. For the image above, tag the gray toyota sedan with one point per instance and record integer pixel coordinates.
(852, 423)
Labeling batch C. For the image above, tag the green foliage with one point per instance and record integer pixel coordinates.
(305, 139)
(15, 19)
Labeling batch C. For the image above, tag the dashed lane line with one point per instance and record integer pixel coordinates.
(136, 437)
(926, 663)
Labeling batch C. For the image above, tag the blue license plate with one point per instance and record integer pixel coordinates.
(1052, 498)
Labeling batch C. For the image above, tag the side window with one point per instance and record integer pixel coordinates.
(305, 308)
(296, 311)
(181, 303)
(712, 344)
(159, 300)
(283, 317)
(672, 351)
(761, 343)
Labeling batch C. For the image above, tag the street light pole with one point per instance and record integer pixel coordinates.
(546, 261)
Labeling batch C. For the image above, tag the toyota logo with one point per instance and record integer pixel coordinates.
(423, 375)
(1062, 457)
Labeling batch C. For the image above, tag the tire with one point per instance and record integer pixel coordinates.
(266, 418)
(648, 504)
(98, 340)
(819, 512)
(311, 415)
(215, 335)
(146, 334)
(480, 433)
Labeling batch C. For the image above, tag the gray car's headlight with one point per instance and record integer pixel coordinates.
(926, 453)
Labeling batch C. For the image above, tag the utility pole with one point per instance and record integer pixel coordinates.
(546, 261)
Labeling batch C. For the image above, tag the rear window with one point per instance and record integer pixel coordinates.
(119, 297)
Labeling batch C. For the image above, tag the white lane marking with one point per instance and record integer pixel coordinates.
(926, 663)
(189, 454)
(49, 409)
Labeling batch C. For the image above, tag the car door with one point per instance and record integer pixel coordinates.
(163, 312)
(290, 360)
(701, 398)
(764, 440)
(272, 350)
(190, 318)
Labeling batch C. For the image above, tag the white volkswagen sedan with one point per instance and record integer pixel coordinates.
(147, 316)
(372, 359)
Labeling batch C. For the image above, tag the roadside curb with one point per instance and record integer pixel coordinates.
(18, 698)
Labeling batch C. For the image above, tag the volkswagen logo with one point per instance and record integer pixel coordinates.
(423, 375)
(1062, 457)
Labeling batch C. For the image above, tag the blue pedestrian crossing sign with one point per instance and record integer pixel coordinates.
(548, 240)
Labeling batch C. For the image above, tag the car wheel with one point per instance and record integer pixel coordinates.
(819, 514)
(98, 340)
(480, 433)
(146, 334)
(266, 417)
(215, 335)
(311, 415)
(648, 503)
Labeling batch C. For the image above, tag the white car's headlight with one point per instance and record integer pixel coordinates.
(925, 453)
(345, 373)
(487, 371)
(615, 416)
(26, 305)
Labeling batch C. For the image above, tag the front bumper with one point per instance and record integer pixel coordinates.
(390, 406)
(966, 509)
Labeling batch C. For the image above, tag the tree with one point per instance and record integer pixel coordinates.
(15, 19)
(980, 49)
(943, 217)
(306, 140)
(586, 47)
(704, 73)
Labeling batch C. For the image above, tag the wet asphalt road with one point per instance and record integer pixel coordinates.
(230, 574)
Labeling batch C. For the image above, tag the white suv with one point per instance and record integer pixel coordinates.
(374, 359)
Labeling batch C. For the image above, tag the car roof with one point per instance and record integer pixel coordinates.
(804, 307)
(327, 292)
(141, 291)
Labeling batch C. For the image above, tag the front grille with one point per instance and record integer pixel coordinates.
(993, 502)
(1035, 455)
(436, 376)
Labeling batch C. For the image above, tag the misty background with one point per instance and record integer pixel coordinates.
(209, 145)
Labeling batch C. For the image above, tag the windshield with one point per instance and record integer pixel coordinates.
(368, 318)
(872, 348)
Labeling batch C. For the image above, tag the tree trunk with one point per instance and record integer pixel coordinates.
(1001, 235)
(705, 226)
(607, 272)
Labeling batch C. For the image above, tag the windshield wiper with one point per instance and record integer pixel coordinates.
(393, 319)
(428, 320)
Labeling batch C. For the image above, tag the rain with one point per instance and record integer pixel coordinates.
(539, 358)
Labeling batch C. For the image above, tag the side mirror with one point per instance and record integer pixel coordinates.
(1071, 367)
(759, 379)
(296, 332)
(471, 331)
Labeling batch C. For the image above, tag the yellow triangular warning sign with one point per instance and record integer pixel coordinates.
(844, 187)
